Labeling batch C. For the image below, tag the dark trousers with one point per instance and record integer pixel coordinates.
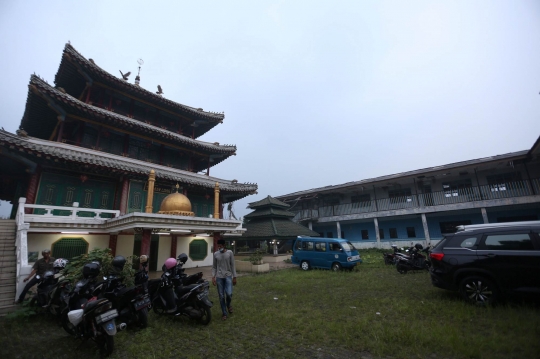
(27, 287)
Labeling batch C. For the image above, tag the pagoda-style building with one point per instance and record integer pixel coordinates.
(99, 161)
(272, 222)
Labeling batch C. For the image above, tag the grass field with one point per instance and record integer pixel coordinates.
(372, 312)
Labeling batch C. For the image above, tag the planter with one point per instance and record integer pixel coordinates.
(276, 259)
(243, 266)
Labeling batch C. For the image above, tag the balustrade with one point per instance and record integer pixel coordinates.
(446, 197)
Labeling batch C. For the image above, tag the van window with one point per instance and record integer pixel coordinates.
(298, 245)
(320, 246)
(334, 247)
(307, 246)
(347, 246)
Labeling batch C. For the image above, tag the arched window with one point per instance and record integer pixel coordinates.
(69, 247)
(198, 249)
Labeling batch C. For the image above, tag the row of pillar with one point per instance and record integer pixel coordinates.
(424, 224)
(147, 238)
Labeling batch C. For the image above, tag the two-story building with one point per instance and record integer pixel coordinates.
(422, 205)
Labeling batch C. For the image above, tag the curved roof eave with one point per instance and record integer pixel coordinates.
(73, 102)
(66, 152)
(132, 88)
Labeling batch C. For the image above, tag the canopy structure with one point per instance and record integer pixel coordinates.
(271, 220)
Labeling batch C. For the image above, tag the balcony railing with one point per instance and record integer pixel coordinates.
(449, 196)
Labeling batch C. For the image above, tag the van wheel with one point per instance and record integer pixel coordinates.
(305, 265)
(336, 267)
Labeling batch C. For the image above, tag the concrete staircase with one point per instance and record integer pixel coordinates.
(8, 266)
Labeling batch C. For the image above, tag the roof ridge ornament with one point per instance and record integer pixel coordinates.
(138, 77)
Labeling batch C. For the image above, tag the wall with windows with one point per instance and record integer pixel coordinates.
(40, 241)
(182, 246)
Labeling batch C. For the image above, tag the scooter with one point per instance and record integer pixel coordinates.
(130, 302)
(390, 258)
(186, 300)
(91, 318)
(416, 261)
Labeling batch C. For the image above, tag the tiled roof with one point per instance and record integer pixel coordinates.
(30, 146)
(268, 201)
(134, 89)
(275, 228)
(269, 212)
(424, 171)
(108, 117)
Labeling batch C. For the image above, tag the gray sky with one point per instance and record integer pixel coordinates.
(314, 92)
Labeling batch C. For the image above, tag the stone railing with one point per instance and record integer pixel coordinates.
(73, 213)
(447, 197)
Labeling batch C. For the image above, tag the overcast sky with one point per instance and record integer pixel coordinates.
(315, 93)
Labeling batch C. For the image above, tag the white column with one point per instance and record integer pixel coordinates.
(338, 229)
(426, 229)
(310, 225)
(484, 215)
(377, 235)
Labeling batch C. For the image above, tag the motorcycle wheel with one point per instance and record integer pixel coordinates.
(206, 315)
(106, 344)
(66, 324)
(142, 316)
(401, 269)
(158, 307)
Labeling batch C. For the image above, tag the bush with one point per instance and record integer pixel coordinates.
(73, 270)
(256, 257)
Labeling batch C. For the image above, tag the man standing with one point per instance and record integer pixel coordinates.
(40, 267)
(224, 275)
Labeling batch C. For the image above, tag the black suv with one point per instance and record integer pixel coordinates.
(486, 260)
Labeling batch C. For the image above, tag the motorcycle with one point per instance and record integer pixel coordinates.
(416, 260)
(170, 296)
(130, 302)
(51, 290)
(390, 258)
(91, 318)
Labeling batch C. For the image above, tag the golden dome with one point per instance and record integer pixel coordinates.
(176, 203)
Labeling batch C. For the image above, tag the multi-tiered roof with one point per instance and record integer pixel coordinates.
(92, 121)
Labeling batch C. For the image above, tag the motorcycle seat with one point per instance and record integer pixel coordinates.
(185, 289)
(91, 305)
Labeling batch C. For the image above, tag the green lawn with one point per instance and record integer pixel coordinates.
(372, 312)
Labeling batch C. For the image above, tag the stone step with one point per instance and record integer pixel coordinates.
(7, 282)
(6, 286)
(7, 256)
(8, 275)
(8, 294)
(6, 309)
(6, 263)
(8, 272)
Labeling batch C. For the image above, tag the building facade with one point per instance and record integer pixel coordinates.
(422, 205)
(93, 160)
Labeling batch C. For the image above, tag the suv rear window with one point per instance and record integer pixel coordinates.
(462, 241)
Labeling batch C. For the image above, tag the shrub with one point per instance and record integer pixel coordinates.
(73, 270)
(256, 257)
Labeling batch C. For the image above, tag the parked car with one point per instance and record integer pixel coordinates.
(327, 253)
(485, 261)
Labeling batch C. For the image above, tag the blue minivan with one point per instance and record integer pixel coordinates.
(327, 253)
